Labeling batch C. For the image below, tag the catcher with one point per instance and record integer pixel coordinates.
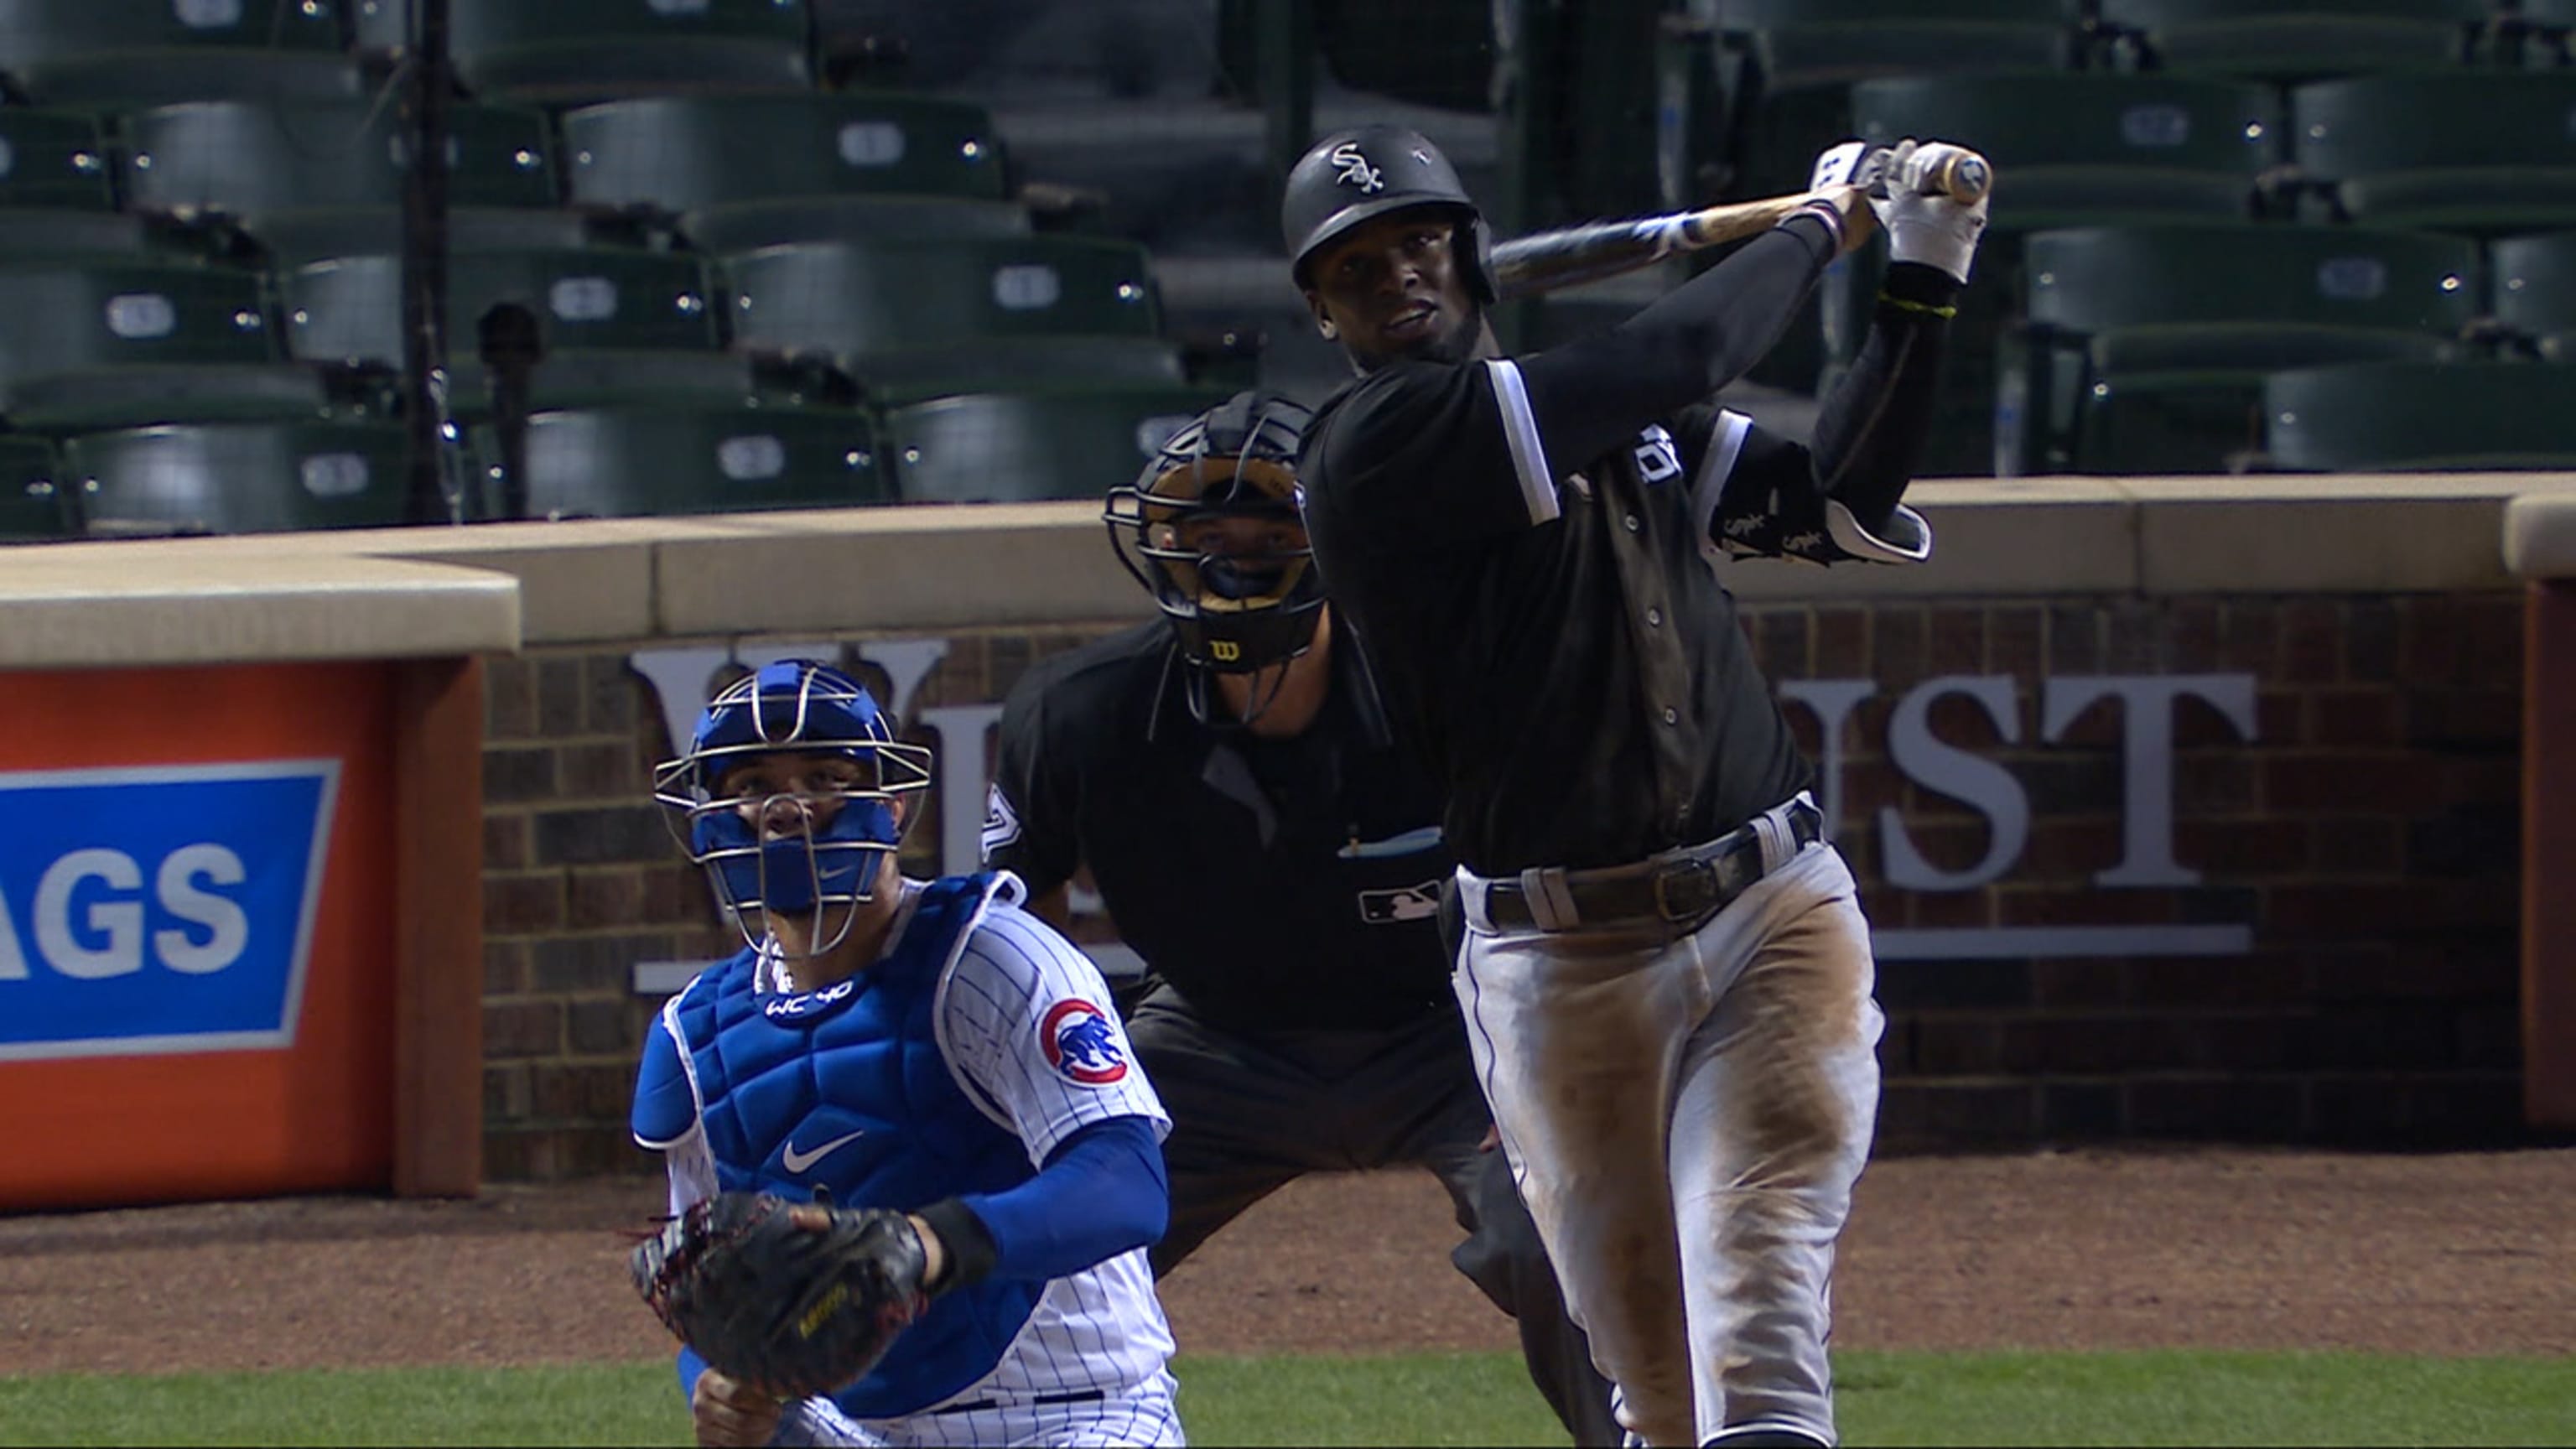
(913, 1171)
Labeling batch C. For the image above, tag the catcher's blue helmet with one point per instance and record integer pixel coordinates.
(832, 855)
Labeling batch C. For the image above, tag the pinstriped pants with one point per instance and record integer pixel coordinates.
(1687, 1115)
(1143, 1415)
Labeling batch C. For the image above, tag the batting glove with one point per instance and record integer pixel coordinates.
(1933, 230)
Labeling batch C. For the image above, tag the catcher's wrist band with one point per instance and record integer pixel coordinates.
(964, 1241)
(1903, 304)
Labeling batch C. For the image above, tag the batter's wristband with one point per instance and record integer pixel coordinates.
(1826, 212)
(1903, 304)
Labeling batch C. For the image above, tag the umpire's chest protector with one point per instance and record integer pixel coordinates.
(846, 1091)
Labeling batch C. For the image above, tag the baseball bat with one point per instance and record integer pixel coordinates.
(1570, 256)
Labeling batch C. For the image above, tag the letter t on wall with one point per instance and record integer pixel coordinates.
(2146, 745)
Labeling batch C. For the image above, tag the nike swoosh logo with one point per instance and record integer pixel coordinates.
(799, 1161)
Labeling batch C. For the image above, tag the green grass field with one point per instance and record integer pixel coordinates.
(1886, 1398)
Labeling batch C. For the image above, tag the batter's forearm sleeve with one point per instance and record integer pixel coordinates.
(1590, 396)
(1871, 427)
(1102, 1192)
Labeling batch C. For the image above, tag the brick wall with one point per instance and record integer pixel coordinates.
(2366, 836)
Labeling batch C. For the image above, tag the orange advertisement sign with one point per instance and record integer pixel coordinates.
(197, 990)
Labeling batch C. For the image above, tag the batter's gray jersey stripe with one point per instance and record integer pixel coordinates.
(1725, 445)
(1520, 433)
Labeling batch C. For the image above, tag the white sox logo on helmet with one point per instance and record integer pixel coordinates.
(1355, 169)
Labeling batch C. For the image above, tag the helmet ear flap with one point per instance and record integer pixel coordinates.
(1477, 238)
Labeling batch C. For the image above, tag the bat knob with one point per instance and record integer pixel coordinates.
(1966, 177)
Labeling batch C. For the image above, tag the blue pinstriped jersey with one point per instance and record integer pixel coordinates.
(978, 1041)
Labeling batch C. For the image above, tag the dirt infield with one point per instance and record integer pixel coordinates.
(2448, 1254)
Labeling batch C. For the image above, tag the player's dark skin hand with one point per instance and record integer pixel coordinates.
(731, 1415)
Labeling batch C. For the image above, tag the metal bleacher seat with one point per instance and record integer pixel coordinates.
(2145, 348)
(750, 170)
(117, 342)
(2533, 283)
(1040, 443)
(889, 312)
(244, 477)
(264, 162)
(673, 459)
(34, 506)
(2070, 149)
(2413, 416)
(562, 52)
(2488, 153)
(2288, 41)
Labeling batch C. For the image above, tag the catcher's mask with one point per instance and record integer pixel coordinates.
(810, 850)
(1211, 528)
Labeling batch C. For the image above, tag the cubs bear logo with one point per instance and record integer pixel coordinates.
(1081, 1044)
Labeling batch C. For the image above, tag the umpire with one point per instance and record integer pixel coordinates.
(1666, 971)
(1227, 774)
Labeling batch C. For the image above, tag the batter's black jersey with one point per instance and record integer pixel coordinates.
(1561, 644)
(1276, 883)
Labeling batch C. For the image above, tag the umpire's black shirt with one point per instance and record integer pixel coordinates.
(1531, 573)
(1276, 883)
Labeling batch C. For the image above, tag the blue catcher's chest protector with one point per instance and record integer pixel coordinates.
(846, 1091)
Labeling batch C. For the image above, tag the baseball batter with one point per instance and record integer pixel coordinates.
(923, 1046)
(1226, 774)
(1666, 972)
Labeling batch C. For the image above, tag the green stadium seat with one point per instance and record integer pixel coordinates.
(54, 158)
(349, 309)
(700, 155)
(1008, 364)
(863, 300)
(248, 161)
(2091, 149)
(2406, 416)
(2485, 153)
(568, 52)
(675, 459)
(2289, 41)
(65, 317)
(42, 30)
(294, 238)
(44, 233)
(119, 343)
(133, 80)
(745, 225)
(2533, 280)
(2146, 347)
(1059, 442)
(255, 477)
(381, 28)
(34, 506)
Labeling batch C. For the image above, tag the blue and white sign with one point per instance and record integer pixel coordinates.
(159, 909)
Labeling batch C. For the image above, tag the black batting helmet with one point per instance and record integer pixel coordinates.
(1356, 176)
(1238, 602)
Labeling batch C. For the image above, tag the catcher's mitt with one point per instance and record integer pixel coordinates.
(790, 1299)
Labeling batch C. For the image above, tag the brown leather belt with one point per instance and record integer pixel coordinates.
(1683, 887)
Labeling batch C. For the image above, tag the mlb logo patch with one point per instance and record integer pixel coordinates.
(1081, 1042)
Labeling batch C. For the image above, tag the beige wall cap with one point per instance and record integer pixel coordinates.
(2540, 535)
(74, 605)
